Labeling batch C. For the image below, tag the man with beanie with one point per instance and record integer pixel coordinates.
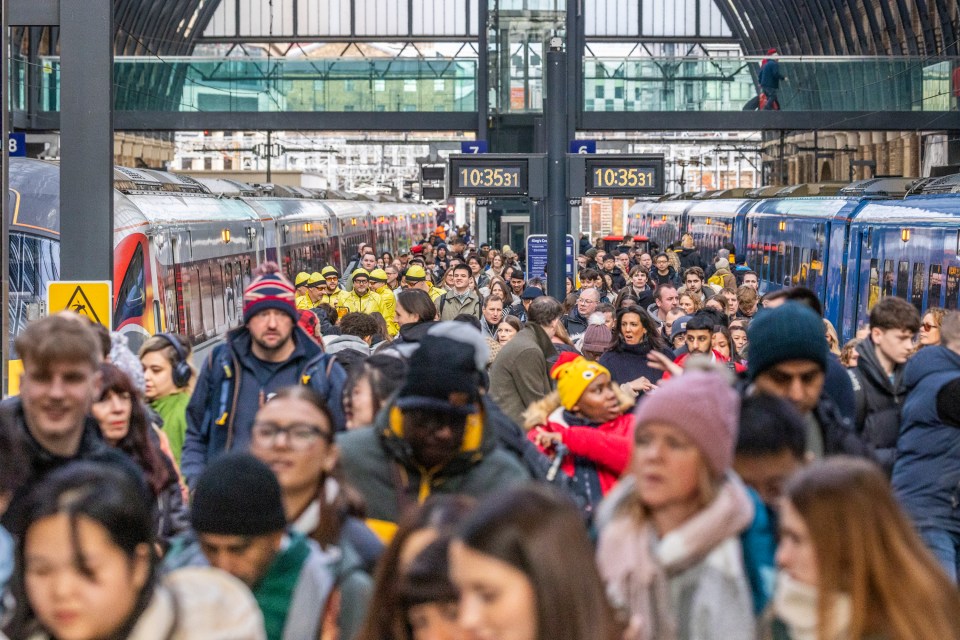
(520, 376)
(361, 299)
(431, 438)
(303, 297)
(788, 359)
(240, 527)
(268, 353)
(415, 277)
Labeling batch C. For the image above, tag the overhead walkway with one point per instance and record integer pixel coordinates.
(621, 94)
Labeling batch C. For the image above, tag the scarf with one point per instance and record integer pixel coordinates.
(795, 604)
(637, 567)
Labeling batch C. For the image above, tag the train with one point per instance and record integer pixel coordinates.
(852, 245)
(185, 249)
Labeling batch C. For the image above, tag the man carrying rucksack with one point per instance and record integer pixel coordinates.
(268, 353)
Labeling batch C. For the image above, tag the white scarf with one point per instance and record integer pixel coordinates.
(795, 604)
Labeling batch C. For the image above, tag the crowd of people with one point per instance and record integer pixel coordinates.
(442, 451)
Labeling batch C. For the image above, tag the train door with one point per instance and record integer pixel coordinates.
(869, 290)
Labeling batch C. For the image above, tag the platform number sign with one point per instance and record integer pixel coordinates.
(17, 145)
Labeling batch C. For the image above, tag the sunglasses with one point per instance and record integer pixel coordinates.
(928, 327)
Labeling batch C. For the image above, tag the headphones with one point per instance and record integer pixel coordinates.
(181, 370)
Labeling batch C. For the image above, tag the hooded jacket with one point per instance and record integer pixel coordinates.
(879, 401)
(380, 464)
(691, 258)
(598, 453)
(926, 474)
(233, 384)
(574, 323)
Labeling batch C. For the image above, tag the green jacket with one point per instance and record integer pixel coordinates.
(520, 375)
(379, 463)
(173, 410)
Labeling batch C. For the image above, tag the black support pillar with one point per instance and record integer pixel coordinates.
(555, 113)
(86, 139)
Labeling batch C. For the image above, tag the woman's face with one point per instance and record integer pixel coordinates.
(435, 621)
(719, 342)
(505, 333)
(70, 604)
(739, 338)
(405, 317)
(569, 286)
(686, 303)
(639, 280)
(499, 290)
(497, 601)
(360, 405)
(631, 328)
(474, 265)
(796, 554)
(598, 403)
(293, 438)
(113, 415)
(666, 465)
(497, 262)
(448, 279)
(929, 330)
(158, 375)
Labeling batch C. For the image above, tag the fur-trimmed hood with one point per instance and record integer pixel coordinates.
(538, 412)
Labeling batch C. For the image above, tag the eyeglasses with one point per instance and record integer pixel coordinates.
(928, 327)
(299, 436)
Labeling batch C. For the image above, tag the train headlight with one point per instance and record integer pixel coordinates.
(225, 235)
(783, 225)
(905, 235)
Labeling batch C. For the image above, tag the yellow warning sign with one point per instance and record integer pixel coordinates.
(91, 298)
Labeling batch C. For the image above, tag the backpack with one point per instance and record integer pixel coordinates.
(221, 363)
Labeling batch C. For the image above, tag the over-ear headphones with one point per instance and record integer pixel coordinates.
(181, 370)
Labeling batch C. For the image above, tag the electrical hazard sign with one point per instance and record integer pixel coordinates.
(91, 299)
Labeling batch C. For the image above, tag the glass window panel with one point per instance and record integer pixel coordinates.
(903, 279)
(936, 286)
(916, 292)
(953, 286)
(875, 291)
(888, 278)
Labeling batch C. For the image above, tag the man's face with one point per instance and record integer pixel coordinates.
(57, 398)
(461, 278)
(609, 263)
(767, 473)
(434, 436)
(582, 261)
(750, 280)
(332, 283)
(663, 264)
(694, 283)
(698, 340)
(271, 329)
(799, 381)
(623, 261)
(404, 259)
(587, 302)
(361, 285)
(246, 558)
(895, 344)
(516, 282)
(493, 312)
(731, 299)
(667, 299)
(368, 261)
(392, 274)
(646, 261)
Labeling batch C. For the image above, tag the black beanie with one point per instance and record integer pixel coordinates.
(439, 368)
(237, 495)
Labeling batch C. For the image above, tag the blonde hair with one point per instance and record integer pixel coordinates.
(866, 548)
(833, 340)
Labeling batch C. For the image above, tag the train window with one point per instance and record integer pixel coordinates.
(190, 288)
(888, 278)
(216, 283)
(936, 286)
(206, 300)
(953, 285)
(903, 279)
(916, 293)
(876, 291)
(806, 277)
(130, 298)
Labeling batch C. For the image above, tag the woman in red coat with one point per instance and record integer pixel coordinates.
(587, 422)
